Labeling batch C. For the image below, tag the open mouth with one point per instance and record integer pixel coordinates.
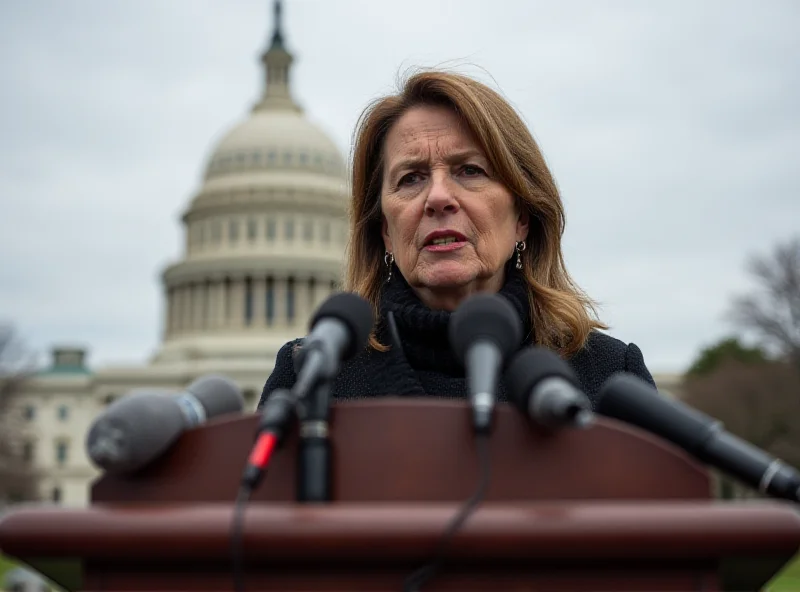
(444, 239)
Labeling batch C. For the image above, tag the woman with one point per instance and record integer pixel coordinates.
(451, 196)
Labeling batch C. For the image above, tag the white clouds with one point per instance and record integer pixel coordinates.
(671, 127)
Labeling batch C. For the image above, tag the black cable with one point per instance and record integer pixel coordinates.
(417, 579)
(237, 556)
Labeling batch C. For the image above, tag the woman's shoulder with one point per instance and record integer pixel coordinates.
(283, 375)
(604, 355)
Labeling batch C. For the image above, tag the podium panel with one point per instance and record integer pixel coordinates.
(601, 509)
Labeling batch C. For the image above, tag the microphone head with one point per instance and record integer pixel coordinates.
(356, 314)
(531, 366)
(134, 430)
(485, 317)
(628, 398)
(217, 394)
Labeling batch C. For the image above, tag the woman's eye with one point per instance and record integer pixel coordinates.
(409, 179)
(472, 170)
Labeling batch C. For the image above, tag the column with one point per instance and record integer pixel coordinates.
(236, 320)
(186, 308)
(197, 306)
(280, 302)
(301, 304)
(169, 315)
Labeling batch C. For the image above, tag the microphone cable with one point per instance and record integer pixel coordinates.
(278, 410)
(415, 581)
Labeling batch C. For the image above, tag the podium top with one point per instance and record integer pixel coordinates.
(423, 450)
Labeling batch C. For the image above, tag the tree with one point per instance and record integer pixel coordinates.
(18, 478)
(772, 312)
(730, 348)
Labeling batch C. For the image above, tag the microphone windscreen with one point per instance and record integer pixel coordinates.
(217, 394)
(630, 399)
(532, 365)
(485, 316)
(134, 430)
(356, 314)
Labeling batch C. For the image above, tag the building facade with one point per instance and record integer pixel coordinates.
(264, 242)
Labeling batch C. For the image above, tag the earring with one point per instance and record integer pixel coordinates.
(520, 246)
(388, 260)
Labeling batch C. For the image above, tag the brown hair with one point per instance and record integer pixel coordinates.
(561, 314)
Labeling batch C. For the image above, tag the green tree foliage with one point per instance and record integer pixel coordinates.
(730, 348)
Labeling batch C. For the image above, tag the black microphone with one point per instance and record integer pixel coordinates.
(339, 330)
(544, 387)
(139, 427)
(627, 398)
(483, 332)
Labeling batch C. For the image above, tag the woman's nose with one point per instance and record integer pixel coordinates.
(441, 198)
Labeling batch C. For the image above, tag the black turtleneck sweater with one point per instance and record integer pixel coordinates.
(424, 365)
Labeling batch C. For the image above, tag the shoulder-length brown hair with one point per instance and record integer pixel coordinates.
(562, 315)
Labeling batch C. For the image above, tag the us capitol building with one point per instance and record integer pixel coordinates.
(264, 242)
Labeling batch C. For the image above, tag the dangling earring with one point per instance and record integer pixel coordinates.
(520, 246)
(388, 260)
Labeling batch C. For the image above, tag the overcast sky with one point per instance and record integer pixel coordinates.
(672, 128)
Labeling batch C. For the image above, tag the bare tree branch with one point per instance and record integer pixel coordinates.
(18, 476)
(773, 311)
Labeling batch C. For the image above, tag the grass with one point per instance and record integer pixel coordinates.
(5, 565)
(787, 581)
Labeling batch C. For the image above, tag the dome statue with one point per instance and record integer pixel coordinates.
(265, 233)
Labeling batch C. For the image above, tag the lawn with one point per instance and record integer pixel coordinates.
(787, 581)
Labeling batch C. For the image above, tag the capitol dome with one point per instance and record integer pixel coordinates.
(265, 232)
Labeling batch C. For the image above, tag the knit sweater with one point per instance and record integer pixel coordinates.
(423, 363)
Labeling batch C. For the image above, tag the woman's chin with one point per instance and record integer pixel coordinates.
(447, 274)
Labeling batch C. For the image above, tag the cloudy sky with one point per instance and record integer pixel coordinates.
(672, 127)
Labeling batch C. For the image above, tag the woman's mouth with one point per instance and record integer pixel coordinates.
(438, 242)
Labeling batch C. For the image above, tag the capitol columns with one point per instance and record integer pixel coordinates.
(259, 301)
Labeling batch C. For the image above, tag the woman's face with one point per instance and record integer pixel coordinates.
(449, 223)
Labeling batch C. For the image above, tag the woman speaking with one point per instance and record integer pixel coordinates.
(451, 196)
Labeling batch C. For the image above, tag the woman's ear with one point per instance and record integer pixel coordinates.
(523, 223)
(387, 242)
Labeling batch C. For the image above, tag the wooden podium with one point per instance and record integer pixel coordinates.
(601, 509)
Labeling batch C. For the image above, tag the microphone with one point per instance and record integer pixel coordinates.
(483, 332)
(628, 398)
(544, 387)
(339, 330)
(139, 427)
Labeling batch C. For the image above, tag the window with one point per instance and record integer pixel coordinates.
(28, 452)
(326, 232)
(61, 453)
(303, 158)
(270, 303)
(108, 399)
(271, 229)
(290, 300)
(308, 230)
(216, 231)
(252, 229)
(248, 301)
(55, 495)
(288, 229)
(233, 231)
(249, 396)
(287, 158)
(201, 233)
(63, 413)
(29, 413)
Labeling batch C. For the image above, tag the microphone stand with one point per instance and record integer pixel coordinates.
(314, 448)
